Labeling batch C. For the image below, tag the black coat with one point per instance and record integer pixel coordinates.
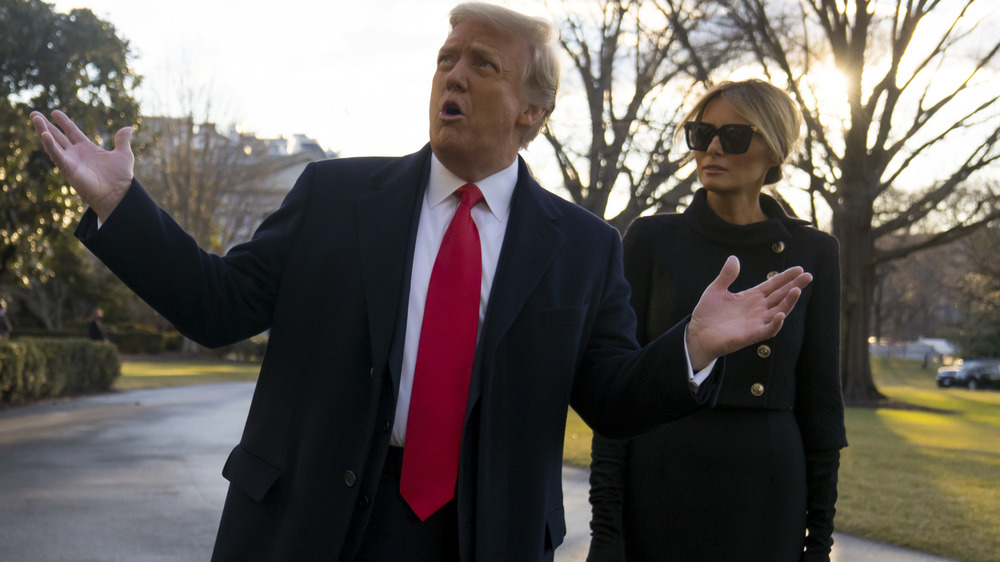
(668, 261)
(328, 274)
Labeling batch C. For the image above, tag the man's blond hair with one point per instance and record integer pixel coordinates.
(540, 82)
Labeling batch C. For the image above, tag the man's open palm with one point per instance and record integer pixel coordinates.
(723, 322)
(100, 176)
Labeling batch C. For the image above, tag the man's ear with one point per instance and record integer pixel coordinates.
(530, 116)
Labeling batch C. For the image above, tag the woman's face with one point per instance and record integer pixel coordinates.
(722, 172)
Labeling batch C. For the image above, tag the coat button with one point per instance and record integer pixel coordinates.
(771, 274)
(757, 389)
(363, 502)
(371, 373)
(764, 351)
(350, 479)
(778, 247)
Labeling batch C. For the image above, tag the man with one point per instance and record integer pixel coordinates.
(4, 322)
(345, 274)
(95, 328)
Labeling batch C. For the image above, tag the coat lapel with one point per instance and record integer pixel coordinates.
(529, 246)
(387, 223)
(386, 231)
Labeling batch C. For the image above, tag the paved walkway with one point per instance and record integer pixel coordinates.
(136, 477)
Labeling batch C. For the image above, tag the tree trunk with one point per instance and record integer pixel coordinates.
(857, 249)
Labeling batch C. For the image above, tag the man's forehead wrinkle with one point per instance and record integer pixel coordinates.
(477, 47)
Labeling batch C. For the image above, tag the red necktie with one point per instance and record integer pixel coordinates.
(444, 364)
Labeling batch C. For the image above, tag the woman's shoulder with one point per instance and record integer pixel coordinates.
(813, 235)
(654, 224)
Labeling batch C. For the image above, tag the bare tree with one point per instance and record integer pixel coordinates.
(918, 296)
(917, 114)
(218, 183)
(242, 209)
(636, 64)
(205, 177)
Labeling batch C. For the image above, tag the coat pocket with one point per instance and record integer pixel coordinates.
(250, 473)
(555, 528)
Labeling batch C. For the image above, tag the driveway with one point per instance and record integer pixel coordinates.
(136, 476)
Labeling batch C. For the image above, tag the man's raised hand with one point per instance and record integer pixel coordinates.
(100, 176)
(723, 322)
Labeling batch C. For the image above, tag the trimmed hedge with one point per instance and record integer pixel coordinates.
(250, 349)
(129, 338)
(36, 368)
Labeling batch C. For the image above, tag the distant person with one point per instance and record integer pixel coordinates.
(432, 317)
(5, 327)
(95, 328)
(754, 479)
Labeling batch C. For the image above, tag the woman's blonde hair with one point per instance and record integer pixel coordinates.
(541, 73)
(765, 106)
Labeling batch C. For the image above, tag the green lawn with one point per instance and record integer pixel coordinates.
(160, 372)
(926, 480)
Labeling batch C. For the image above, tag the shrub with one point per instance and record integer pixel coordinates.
(250, 349)
(138, 338)
(130, 338)
(38, 368)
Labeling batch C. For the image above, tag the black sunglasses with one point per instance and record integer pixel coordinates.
(735, 139)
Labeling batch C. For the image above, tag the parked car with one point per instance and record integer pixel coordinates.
(973, 374)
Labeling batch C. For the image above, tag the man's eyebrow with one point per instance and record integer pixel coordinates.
(477, 49)
(484, 51)
(488, 53)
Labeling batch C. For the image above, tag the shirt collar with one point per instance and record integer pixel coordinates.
(497, 189)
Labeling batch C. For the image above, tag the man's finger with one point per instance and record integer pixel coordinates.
(57, 136)
(774, 326)
(730, 271)
(123, 139)
(779, 293)
(69, 128)
(780, 280)
(51, 145)
(44, 128)
(787, 303)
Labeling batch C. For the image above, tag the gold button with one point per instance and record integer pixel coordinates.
(764, 351)
(757, 389)
(778, 247)
(771, 274)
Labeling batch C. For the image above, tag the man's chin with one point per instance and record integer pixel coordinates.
(447, 143)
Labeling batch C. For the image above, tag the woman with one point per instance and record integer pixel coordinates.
(756, 477)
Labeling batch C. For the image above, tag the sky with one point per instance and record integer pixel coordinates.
(353, 75)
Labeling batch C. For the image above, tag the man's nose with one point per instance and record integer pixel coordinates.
(457, 77)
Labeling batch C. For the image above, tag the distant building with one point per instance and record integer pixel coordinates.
(923, 349)
(285, 160)
(250, 176)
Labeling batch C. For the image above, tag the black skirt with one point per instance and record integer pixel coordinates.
(728, 484)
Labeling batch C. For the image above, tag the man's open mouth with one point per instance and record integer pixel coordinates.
(451, 109)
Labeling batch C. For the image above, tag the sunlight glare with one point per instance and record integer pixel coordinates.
(828, 88)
